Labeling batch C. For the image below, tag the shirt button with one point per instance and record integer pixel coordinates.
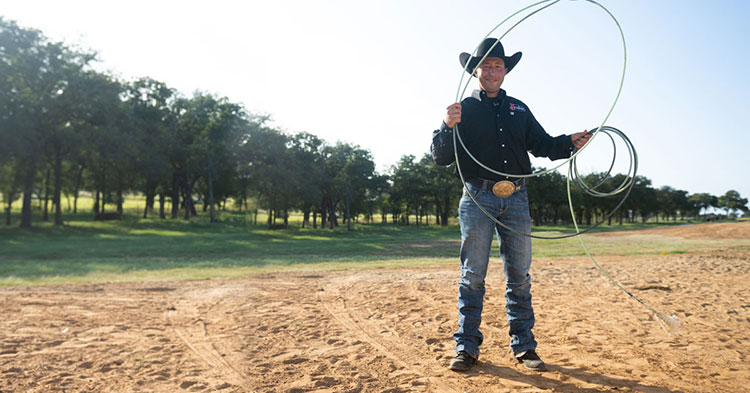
(503, 145)
(505, 161)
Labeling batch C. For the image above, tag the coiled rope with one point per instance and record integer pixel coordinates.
(669, 323)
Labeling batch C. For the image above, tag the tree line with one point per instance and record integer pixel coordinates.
(66, 128)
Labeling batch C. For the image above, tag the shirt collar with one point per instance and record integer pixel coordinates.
(481, 95)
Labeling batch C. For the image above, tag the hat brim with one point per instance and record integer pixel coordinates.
(510, 61)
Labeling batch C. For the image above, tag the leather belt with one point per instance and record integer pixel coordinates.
(501, 188)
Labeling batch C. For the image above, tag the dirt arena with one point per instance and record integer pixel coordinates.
(388, 330)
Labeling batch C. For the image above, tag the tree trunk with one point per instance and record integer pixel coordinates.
(104, 192)
(45, 217)
(28, 189)
(444, 215)
(332, 214)
(149, 203)
(188, 198)
(438, 210)
(96, 202)
(7, 212)
(161, 205)
(211, 195)
(175, 195)
(120, 199)
(315, 219)
(348, 216)
(191, 186)
(79, 180)
(58, 187)
(323, 212)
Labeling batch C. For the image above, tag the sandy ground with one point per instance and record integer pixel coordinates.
(387, 330)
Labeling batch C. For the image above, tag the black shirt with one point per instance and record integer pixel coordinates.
(498, 131)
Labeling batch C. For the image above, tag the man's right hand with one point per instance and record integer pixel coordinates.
(453, 115)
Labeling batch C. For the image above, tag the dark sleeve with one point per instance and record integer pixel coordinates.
(541, 144)
(442, 145)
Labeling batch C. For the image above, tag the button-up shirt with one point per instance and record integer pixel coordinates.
(499, 132)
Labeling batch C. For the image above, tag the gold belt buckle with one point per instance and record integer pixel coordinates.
(503, 188)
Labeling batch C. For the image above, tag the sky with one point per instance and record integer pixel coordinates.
(379, 74)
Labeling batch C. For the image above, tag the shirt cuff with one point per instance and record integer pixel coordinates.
(444, 128)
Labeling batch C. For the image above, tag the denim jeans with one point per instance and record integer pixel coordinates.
(515, 250)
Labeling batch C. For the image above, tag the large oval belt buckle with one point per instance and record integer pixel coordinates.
(503, 188)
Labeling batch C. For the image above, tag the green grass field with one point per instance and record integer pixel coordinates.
(153, 249)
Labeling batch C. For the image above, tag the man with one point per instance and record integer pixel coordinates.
(499, 131)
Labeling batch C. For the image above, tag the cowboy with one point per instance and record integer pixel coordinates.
(499, 131)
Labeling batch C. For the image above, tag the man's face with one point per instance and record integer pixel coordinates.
(491, 74)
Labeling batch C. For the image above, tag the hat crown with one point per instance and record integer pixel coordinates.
(486, 45)
(485, 49)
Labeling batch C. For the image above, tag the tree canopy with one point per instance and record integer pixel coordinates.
(66, 128)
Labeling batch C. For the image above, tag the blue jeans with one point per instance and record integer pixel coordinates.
(515, 251)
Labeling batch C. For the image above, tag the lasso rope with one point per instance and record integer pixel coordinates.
(670, 323)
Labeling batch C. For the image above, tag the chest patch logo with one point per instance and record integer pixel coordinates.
(516, 107)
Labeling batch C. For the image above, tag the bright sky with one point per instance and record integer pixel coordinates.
(380, 73)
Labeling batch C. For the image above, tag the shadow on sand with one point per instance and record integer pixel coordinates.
(540, 381)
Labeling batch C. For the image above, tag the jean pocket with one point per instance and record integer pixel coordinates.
(474, 190)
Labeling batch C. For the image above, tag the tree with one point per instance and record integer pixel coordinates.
(408, 186)
(265, 163)
(26, 90)
(666, 205)
(220, 132)
(642, 199)
(443, 187)
(702, 201)
(10, 183)
(306, 156)
(148, 103)
(349, 174)
(39, 78)
(204, 129)
(548, 196)
(732, 201)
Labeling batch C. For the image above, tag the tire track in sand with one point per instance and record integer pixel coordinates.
(335, 304)
(195, 336)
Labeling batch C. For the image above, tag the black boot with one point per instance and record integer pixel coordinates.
(463, 361)
(531, 360)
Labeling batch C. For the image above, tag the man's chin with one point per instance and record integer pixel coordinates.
(492, 88)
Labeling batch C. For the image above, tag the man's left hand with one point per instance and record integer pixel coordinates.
(580, 138)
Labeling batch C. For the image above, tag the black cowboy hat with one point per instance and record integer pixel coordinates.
(484, 47)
